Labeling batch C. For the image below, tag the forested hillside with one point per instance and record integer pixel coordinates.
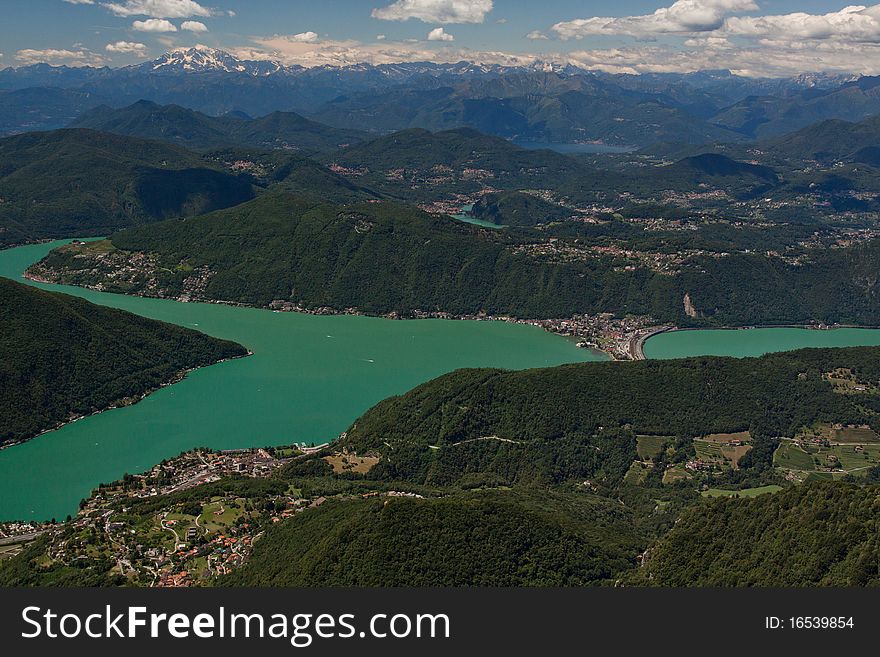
(581, 421)
(76, 183)
(385, 257)
(817, 535)
(64, 357)
(191, 129)
(489, 539)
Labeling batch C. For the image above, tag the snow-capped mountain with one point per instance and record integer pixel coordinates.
(202, 59)
(573, 103)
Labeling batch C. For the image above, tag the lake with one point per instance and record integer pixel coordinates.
(470, 219)
(308, 379)
(754, 342)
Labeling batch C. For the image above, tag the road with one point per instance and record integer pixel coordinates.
(21, 538)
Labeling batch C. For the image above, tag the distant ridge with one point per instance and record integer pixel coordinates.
(191, 129)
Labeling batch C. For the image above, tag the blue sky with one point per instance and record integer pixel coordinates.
(753, 37)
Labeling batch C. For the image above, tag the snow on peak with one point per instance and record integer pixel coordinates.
(204, 59)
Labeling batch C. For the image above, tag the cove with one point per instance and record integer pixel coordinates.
(742, 343)
(310, 377)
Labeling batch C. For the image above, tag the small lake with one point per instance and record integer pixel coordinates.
(470, 219)
(742, 343)
(309, 378)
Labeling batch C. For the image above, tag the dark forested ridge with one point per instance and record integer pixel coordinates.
(517, 209)
(64, 357)
(580, 421)
(822, 534)
(294, 249)
(489, 539)
(75, 183)
(191, 129)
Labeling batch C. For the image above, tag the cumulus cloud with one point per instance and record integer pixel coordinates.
(439, 34)
(127, 48)
(766, 59)
(286, 49)
(721, 34)
(59, 56)
(159, 8)
(694, 17)
(850, 23)
(682, 17)
(436, 11)
(304, 37)
(537, 35)
(80, 2)
(193, 26)
(156, 25)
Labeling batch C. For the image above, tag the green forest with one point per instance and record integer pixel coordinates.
(488, 539)
(494, 478)
(820, 534)
(386, 257)
(64, 357)
(77, 183)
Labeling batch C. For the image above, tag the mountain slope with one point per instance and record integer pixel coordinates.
(79, 182)
(380, 258)
(64, 357)
(828, 141)
(530, 106)
(416, 164)
(194, 130)
(517, 209)
(578, 422)
(763, 117)
(821, 534)
(507, 539)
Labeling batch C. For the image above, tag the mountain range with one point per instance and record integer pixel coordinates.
(194, 130)
(540, 102)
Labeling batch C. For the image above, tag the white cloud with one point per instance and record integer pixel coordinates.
(193, 26)
(159, 8)
(691, 17)
(127, 48)
(436, 11)
(766, 59)
(850, 23)
(682, 17)
(285, 49)
(80, 2)
(536, 35)
(58, 57)
(715, 34)
(439, 34)
(304, 37)
(380, 37)
(157, 25)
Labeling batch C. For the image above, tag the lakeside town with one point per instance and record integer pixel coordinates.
(146, 531)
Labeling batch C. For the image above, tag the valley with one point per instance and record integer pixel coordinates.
(419, 324)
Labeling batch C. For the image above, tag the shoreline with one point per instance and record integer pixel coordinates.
(327, 311)
(638, 343)
(618, 339)
(178, 377)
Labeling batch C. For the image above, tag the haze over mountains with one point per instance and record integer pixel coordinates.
(543, 102)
